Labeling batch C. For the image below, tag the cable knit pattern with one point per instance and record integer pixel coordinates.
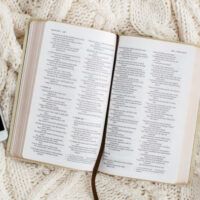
(176, 20)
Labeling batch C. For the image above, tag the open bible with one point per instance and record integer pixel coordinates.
(73, 77)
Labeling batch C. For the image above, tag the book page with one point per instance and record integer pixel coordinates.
(70, 95)
(148, 112)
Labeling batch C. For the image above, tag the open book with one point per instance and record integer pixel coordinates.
(71, 74)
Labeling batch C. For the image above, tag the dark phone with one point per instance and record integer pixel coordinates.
(1, 124)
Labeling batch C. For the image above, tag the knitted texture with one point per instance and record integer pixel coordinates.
(176, 20)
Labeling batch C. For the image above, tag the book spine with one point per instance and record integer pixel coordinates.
(102, 146)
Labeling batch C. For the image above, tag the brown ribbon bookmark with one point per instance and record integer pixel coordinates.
(101, 150)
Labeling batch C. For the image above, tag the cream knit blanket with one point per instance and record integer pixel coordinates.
(177, 20)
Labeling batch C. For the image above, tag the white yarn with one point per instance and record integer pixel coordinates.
(177, 20)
